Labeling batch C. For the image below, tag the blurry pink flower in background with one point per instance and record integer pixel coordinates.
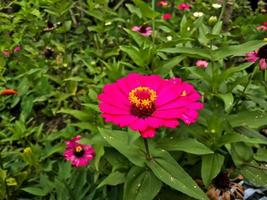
(6, 53)
(167, 16)
(263, 27)
(143, 30)
(202, 64)
(78, 154)
(147, 102)
(261, 55)
(183, 6)
(162, 3)
(17, 48)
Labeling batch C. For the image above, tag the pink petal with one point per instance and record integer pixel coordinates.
(262, 64)
(148, 133)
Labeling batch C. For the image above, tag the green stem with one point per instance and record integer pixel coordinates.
(153, 21)
(246, 86)
(148, 155)
(223, 10)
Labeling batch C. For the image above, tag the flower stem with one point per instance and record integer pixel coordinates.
(148, 155)
(246, 86)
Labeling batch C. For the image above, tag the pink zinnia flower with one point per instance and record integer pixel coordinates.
(261, 55)
(6, 53)
(143, 30)
(183, 6)
(162, 3)
(202, 64)
(167, 16)
(17, 48)
(147, 102)
(78, 154)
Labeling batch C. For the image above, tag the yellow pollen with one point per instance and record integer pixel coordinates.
(142, 102)
(183, 93)
(78, 149)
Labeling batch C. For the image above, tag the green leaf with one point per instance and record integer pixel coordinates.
(261, 155)
(35, 191)
(99, 151)
(120, 141)
(188, 145)
(83, 116)
(146, 10)
(217, 28)
(134, 54)
(194, 52)
(141, 184)
(230, 71)
(115, 178)
(172, 174)
(210, 167)
(237, 50)
(235, 137)
(252, 119)
(254, 174)
(241, 153)
(228, 100)
(166, 67)
(133, 9)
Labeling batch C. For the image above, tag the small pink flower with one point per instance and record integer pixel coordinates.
(162, 3)
(202, 64)
(78, 154)
(167, 16)
(17, 49)
(147, 102)
(263, 27)
(261, 55)
(6, 53)
(143, 30)
(183, 6)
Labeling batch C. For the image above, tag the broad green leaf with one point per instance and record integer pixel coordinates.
(115, 178)
(230, 71)
(188, 145)
(237, 50)
(81, 115)
(146, 10)
(166, 67)
(136, 36)
(141, 184)
(35, 191)
(99, 152)
(200, 74)
(261, 155)
(241, 153)
(134, 54)
(210, 167)
(252, 119)
(217, 28)
(172, 174)
(194, 52)
(133, 9)
(120, 141)
(228, 100)
(235, 137)
(254, 174)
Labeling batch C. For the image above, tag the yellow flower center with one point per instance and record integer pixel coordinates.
(142, 100)
(78, 151)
